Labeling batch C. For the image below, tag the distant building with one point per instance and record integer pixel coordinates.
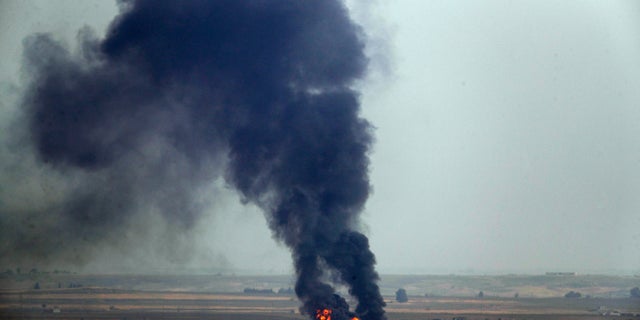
(561, 274)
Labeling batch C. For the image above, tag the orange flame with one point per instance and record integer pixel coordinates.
(323, 314)
(355, 318)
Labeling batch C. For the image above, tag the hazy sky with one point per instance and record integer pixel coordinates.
(507, 136)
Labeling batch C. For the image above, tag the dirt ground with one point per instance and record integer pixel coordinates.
(102, 303)
(71, 296)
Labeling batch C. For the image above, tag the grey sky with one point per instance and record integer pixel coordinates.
(508, 136)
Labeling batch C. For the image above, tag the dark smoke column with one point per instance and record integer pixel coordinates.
(267, 83)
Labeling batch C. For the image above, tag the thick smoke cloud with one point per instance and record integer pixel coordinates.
(178, 92)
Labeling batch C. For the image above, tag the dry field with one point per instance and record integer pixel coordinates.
(100, 303)
(210, 297)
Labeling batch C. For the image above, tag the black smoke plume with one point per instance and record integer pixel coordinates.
(177, 89)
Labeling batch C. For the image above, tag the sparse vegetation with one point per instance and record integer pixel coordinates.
(286, 291)
(401, 295)
(573, 294)
(505, 286)
(258, 291)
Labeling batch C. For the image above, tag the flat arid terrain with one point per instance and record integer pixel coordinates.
(41, 295)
